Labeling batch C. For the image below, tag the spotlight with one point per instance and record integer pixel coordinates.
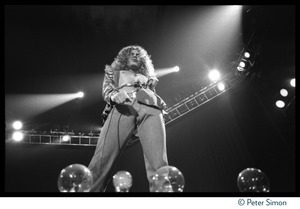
(80, 94)
(221, 86)
(66, 138)
(280, 103)
(176, 69)
(286, 95)
(240, 69)
(293, 82)
(214, 75)
(17, 125)
(18, 136)
(246, 61)
(247, 55)
(242, 64)
(283, 92)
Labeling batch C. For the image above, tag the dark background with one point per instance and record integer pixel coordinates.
(63, 49)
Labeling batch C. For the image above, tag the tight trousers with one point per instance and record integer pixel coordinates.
(123, 121)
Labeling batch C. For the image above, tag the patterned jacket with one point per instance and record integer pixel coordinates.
(135, 84)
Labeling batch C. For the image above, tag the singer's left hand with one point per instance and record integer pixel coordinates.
(152, 82)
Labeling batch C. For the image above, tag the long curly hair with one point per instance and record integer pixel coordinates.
(120, 61)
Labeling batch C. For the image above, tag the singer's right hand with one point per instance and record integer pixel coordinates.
(120, 97)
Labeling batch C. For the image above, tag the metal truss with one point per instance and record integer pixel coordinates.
(178, 110)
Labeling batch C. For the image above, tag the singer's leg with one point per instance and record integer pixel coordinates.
(114, 134)
(151, 129)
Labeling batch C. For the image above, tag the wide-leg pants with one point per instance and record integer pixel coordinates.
(122, 122)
